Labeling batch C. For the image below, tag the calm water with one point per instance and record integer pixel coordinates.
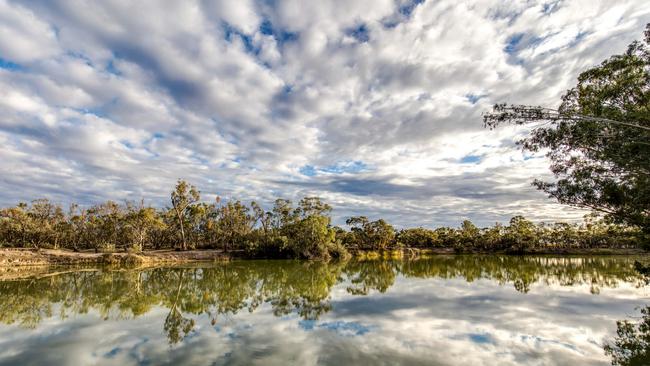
(455, 310)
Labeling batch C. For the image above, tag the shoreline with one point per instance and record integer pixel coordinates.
(20, 264)
(413, 253)
(15, 257)
(18, 257)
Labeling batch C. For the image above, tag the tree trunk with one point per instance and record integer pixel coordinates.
(180, 221)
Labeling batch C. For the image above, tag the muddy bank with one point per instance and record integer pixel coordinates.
(51, 257)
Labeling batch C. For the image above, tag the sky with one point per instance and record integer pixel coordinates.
(375, 106)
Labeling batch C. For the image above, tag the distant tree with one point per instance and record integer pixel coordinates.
(469, 233)
(381, 233)
(140, 222)
(105, 225)
(312, 206)
(286, 231)
(283, 213)
(417, 237)
(598, 140)
(183, 197)
(310, 235)
(16, 225)
(370, 234)
(492, 237)
(234, 223)
(520, 235)
(357, 237)
(448, 237)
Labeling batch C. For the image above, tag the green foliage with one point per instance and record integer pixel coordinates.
(286, 231)
(520, 235)
(598, 139)
(307, 229)
(631, 346)
(233, 225)
(140, 223)
(183, 198)
(417, 238)
(373, 235)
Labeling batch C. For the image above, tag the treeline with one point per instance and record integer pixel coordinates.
(286, 231)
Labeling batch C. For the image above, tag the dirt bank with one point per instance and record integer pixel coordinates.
(47, 257)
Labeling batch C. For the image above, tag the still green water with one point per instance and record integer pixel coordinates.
(447, 310)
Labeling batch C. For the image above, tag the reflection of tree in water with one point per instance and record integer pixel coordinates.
(370, 275)
(300, 287)
(176, 325)
(631, 346)
(522, 272)
(304, 289)
(288, 287)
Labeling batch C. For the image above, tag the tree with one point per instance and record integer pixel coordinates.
(631, 346)
(469, 233)
(357, 237)
(417, 237)
(370, 234)
(46, 218)
(283, 213)
(520, 234)
(234, 223)
(308, 229)
(311, 237)
(104, 225)
(140, 222)
(598, 140)
(16, 225)
(183, 197)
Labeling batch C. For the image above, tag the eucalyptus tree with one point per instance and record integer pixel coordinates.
(377, 234)
(283, 213)
(469, 234)
(417, 238)
(183, 197)
(520, 235)
(261, 217)
(16, 225)
(234, 223)
(105, 225)
(310, 234)
(598, 140)
(140, 222)
(47, 219)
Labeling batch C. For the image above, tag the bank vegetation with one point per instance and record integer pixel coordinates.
(302, 231)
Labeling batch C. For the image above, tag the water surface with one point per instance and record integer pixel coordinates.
(447, 310)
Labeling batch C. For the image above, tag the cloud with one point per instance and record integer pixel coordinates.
(381, 100)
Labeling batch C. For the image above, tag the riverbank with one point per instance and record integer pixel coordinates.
(59, 257)
(418, 252)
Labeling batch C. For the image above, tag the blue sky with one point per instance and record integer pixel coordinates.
(373, 105)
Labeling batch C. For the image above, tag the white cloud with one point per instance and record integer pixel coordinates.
(101, 100)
